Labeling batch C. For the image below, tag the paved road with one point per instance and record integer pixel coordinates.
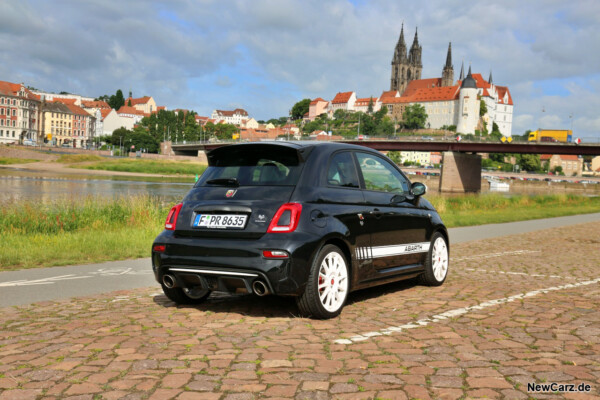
(33, 285)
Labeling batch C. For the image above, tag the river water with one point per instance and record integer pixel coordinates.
(17, 185)
(48, 187)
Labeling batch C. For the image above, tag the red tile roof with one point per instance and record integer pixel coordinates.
(64, 101)
(94, 104)
(389, 94)
(226, 113)
(105, 111)
(141, 100)
(76, 109)
(130, 110)
(315, 101)
(342, 97)
(365, 101)
(563, 157)
(417, 84)
(502, 90)
(443, 93)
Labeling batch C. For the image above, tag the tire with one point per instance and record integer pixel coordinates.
(186, 295)
(328, 285)
(437, 262)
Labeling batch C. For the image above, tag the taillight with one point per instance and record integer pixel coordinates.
(286, 218)
(275, 254)
(171, 221)
(159, 248)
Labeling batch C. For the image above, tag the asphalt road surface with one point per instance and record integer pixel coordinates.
(43, 284)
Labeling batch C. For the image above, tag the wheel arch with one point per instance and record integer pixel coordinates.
(345, 248)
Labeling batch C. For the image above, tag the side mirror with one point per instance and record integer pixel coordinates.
(418, 189)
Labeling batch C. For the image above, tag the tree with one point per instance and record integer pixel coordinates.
(530, 162)
(129, 102)
(370, 108)
(299, 109)
(414, 116)
(117, 100)
(339, 114)
(482, 108)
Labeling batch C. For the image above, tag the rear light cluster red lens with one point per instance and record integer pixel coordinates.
(171, 221)
(286, 218)
(275, 254)
(159, 248)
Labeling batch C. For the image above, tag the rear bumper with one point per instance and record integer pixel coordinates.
(232, 265)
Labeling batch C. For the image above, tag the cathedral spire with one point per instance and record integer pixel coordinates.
(448, 70)
(449, 56)
(401, 40)
(416, 41)
(462, 71)
(490, 79)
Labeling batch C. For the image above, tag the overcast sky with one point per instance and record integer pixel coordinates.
(264, 55)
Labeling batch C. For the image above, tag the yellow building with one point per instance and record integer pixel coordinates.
(56, 123)
(145, 104)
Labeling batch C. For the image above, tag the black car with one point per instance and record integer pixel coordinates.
(310, 220)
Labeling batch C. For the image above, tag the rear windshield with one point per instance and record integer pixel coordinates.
(253, 166)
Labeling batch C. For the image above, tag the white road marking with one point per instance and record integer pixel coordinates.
(44, 281)
(492, 255)
(520, 273)
(52, 280)
(460, 311)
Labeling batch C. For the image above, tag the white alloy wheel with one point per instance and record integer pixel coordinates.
(439, 259)
(333, 282)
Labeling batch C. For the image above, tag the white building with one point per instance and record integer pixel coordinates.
(236, 117)
(111, 121)
(363, 104)
(342, 101)
(53, 97)
(459, 104)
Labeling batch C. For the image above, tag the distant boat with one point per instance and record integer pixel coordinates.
(497, 185)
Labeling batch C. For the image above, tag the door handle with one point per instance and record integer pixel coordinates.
(376, 213)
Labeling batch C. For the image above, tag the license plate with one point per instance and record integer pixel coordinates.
(220, 221)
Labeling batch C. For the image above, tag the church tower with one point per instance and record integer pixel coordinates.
(406, 66)
(448, 71)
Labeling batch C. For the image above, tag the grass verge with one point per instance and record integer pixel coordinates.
(77, 158)
(472, 209)
(149, 166)
(95, 230)
(10, 160)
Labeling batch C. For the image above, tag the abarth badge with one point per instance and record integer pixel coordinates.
(230, 193)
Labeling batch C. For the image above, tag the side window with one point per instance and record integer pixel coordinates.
(341, 171)
(380, 175)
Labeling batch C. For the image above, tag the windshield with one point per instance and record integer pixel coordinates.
(253, 166)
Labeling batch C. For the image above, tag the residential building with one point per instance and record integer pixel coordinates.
(94, 108)
(251, 124)
(317, 107)
(235, 117)
(363, 104)
(19, 113)
(131, 112)
(145, 104)
(571, 165)
(417, 157)
(342, 101)
(63, 97)
(83, 127)
(57, 120)
(112, 120)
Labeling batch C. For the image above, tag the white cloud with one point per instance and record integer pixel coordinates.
(275, 52)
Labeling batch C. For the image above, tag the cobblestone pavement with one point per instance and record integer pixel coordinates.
(400, 341)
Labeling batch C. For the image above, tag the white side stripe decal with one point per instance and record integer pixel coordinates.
(363, 253)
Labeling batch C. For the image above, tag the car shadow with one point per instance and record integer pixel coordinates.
(275, 306)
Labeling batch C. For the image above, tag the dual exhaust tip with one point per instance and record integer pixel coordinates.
(258, 286)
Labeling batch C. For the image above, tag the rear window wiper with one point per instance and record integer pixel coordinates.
(224, 181)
